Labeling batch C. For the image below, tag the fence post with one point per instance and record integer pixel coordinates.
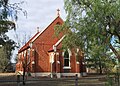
(118, 76)
(76, 80)
(18, 80)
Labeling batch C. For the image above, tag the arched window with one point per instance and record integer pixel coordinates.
(25, 54)
(28, 55)
(28, 52)
(66, 59)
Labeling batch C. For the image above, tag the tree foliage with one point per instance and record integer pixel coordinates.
(4, 60)
(93, 26)
(5, 54)
(8, 14)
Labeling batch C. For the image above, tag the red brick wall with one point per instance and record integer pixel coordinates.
(42, 44)
(39, 53)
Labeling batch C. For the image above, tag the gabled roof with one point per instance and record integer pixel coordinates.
(27, 44)
(36, 36)
(56, 44)
(46, 28)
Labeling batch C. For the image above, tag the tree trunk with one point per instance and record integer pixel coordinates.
(100, 66)
(23, 75)
(114, 51)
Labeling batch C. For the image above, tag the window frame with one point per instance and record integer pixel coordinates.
(69, 53)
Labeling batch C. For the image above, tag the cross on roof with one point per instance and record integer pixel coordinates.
(58, 14)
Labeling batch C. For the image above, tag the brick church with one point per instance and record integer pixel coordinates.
(44, 56)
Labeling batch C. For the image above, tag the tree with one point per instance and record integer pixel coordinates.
(7, 45)
(20, 42)
(94, 22)
(3, 61)
(7, 12)
(102, 64)
(93, 26)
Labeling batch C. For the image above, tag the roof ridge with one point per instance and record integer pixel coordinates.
(26, 44)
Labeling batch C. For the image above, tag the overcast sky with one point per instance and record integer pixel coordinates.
(40, 13)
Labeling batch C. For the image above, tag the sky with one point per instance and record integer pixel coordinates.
(40, 13)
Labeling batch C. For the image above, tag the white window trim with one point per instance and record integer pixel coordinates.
(66, 67)
(19, 55)
(70, 54)
(78, 62)
(25, 53)
(52, 57)
(28, 52)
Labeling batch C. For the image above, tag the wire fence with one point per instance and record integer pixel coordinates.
(37, 81)
(98, 80)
